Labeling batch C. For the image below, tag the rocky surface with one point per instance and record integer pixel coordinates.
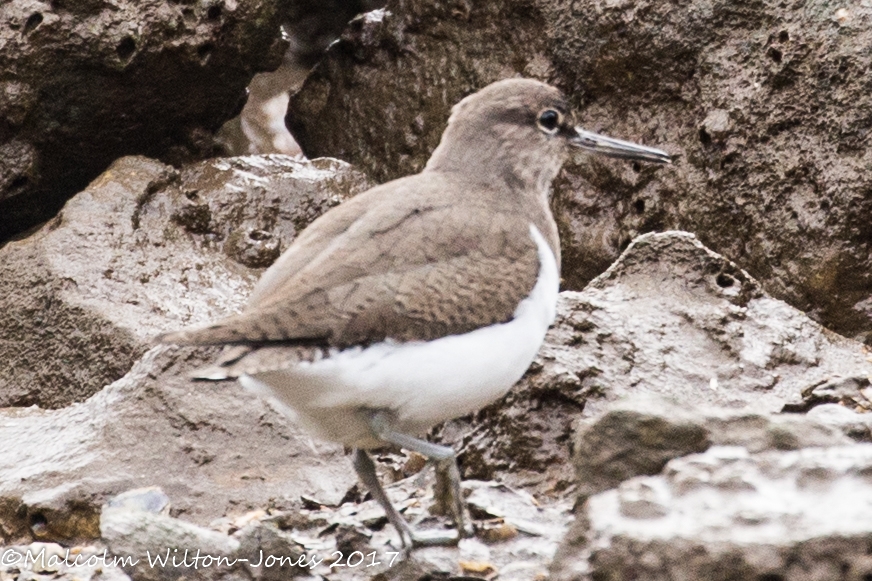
(463, 47)
(857, 426)
(213, 449)
(85, 82)
(638, 436)
(666, 319)
(672, 319)
(688, 421)
(765, 107)
(311, 26)
(320, 541)
(669, 319)
(729, 514)
(143, 250)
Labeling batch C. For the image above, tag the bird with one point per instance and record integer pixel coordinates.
(422, 299)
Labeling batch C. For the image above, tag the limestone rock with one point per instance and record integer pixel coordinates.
(640, 435)
(672, 319)
(729, 514)
(151, 541)
(765, 108)
(854, 425)
(465, 49)
(214, 449)
(156, 546)
(85, 82)
(143, 250)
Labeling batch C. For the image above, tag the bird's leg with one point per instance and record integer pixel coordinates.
(446, 491)
(366, 471)
(448, 475)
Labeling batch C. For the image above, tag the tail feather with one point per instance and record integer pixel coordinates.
(250, 329)
(221, 333)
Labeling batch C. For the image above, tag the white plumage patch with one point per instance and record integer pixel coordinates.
(422, 383)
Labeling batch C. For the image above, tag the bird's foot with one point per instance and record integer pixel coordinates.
(449, 497)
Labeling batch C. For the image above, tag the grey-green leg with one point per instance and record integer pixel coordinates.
(366, 471)
(448, 478)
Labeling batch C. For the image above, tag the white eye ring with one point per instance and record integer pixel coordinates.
(550, 121)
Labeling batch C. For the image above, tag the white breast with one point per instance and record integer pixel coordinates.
(422, 383)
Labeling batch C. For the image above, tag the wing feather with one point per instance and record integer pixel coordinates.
(421, 268)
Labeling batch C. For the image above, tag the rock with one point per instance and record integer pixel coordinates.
(143, 250)
(149, 499)
(311, 26)
(729, 514)
(270, 552)
(670, 318)
(162, 547)
(86, 82)
(853, 391)
(213, 448)
(854, 425)
(764, 109)
(157, 546)
(464, 51)
(40, 561)
(640, 435)
(716, 126)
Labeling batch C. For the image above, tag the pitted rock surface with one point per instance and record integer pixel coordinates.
(728, 514)
(639, 435)
(143, 250)
(84, 82)
(672, 319)
(765, 107)
(214, 449)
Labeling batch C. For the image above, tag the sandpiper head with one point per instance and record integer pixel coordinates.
(520, 131)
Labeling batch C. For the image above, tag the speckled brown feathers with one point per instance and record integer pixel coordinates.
(430, 265)
(439, 253)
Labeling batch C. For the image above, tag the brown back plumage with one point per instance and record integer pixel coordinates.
(439, 253)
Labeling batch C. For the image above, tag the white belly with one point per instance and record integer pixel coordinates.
(420, 383)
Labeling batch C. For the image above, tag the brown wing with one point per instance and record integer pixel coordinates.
(414, 264)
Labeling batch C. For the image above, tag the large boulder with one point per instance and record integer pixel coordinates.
(764, 106)
(670, 319)
(143, 250)
(727, 514)
(83, 82)
(214, 449)
(640, 434)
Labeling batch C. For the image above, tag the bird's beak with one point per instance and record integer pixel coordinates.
(617, 148)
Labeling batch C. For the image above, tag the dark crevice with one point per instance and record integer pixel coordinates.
(38, 522)
(774, 54)
(33, 21)
(18, 182)
(724, 280)
(126, 48)
(205, 51)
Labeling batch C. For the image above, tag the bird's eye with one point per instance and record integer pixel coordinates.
(550, 120)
